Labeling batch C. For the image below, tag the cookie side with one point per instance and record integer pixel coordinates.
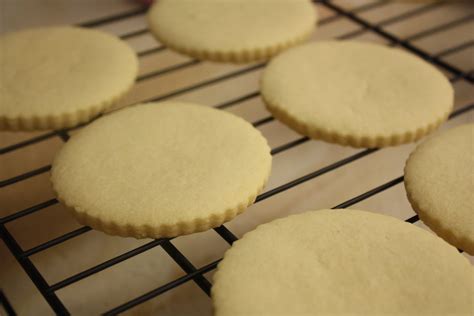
(358, 141)
(232, 56)
(421, 207)
(63, 120)
(123, 229)
(170, 32)
(438, 226)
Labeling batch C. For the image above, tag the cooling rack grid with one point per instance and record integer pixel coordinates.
(361, 26)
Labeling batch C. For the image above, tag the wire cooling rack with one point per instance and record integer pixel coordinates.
(192, 273)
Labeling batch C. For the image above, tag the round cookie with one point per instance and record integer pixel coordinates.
(232, 30)
(439, 183)
(57, 77)
(161, 170)
(355, 93)
(342, 262)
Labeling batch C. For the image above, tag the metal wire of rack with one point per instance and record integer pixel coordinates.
(196, 274)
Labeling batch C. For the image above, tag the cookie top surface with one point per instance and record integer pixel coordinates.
(232, 30)
(341, 262)
(355, 93)
(161, 169)
(439, 179)
(55, 77)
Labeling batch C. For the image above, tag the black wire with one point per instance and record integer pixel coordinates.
(115, 17)
(30, 269)
(404, 43)
(7, 306)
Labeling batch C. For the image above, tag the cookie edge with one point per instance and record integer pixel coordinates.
(62, 120)
(241, 56)
(356, 141)
(114, 228)
(437, 226)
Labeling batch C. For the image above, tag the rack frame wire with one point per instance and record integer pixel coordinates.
(48, 291)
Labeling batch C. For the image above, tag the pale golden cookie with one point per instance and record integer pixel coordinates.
(355, 93)
(232, 30)
(439, 180)
(342, 262)
(57, 77)
(161, 170)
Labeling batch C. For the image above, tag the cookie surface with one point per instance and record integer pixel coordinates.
(342, 262)
(231, 30)
(161, 170)
(57, 77)
(439, 183)
(355, 93)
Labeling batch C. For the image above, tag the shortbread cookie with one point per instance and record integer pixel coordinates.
(439, 180)
(355, 93)
(56, 77)
(232, 30)
(161, 170)
(342, 262)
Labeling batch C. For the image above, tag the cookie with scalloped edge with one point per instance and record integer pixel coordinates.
(161, 170)
(342, 262)
(355, 93)
(440, 187)
(58, 77)
(236, 31)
